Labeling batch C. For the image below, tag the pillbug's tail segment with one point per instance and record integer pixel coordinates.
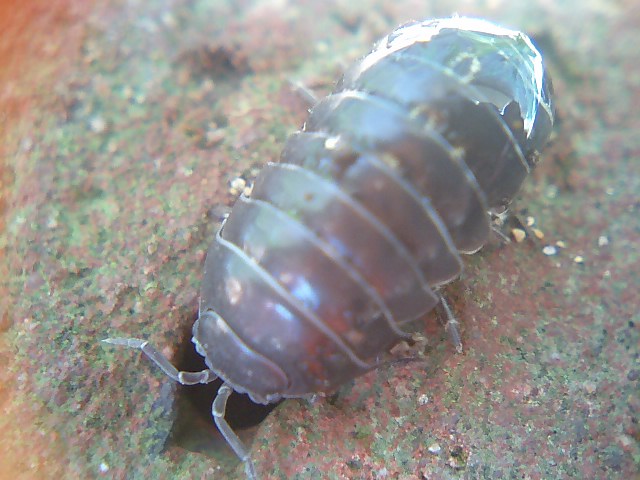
(481, 86)
(501, 64)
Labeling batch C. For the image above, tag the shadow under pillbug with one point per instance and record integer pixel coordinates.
(349, 236)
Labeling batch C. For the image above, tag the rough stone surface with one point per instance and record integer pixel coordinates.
(123, 129)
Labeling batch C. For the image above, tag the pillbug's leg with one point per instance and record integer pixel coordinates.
(498, 219)
(304, 93)
(500, 234)
(217, 410)
(184, 378)
(451, 325)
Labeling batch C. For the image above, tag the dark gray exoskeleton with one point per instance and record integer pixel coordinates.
(349, 236)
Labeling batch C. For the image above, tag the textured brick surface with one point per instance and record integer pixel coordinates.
(122, 128)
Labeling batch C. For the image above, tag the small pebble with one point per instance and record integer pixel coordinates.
(538, 233)
(625, 440)
(237, 185)
(331, 143)
(214, 136)
(382, 473)
(550, 250)
(127, 92)
(603, 241)
(434, 448)
(97, 124)
(518, 234)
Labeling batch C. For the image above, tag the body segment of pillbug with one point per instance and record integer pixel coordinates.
(350, 234)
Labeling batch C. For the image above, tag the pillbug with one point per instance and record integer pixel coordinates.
(350, 235)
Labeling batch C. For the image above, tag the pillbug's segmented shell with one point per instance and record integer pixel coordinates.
(392, 177)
